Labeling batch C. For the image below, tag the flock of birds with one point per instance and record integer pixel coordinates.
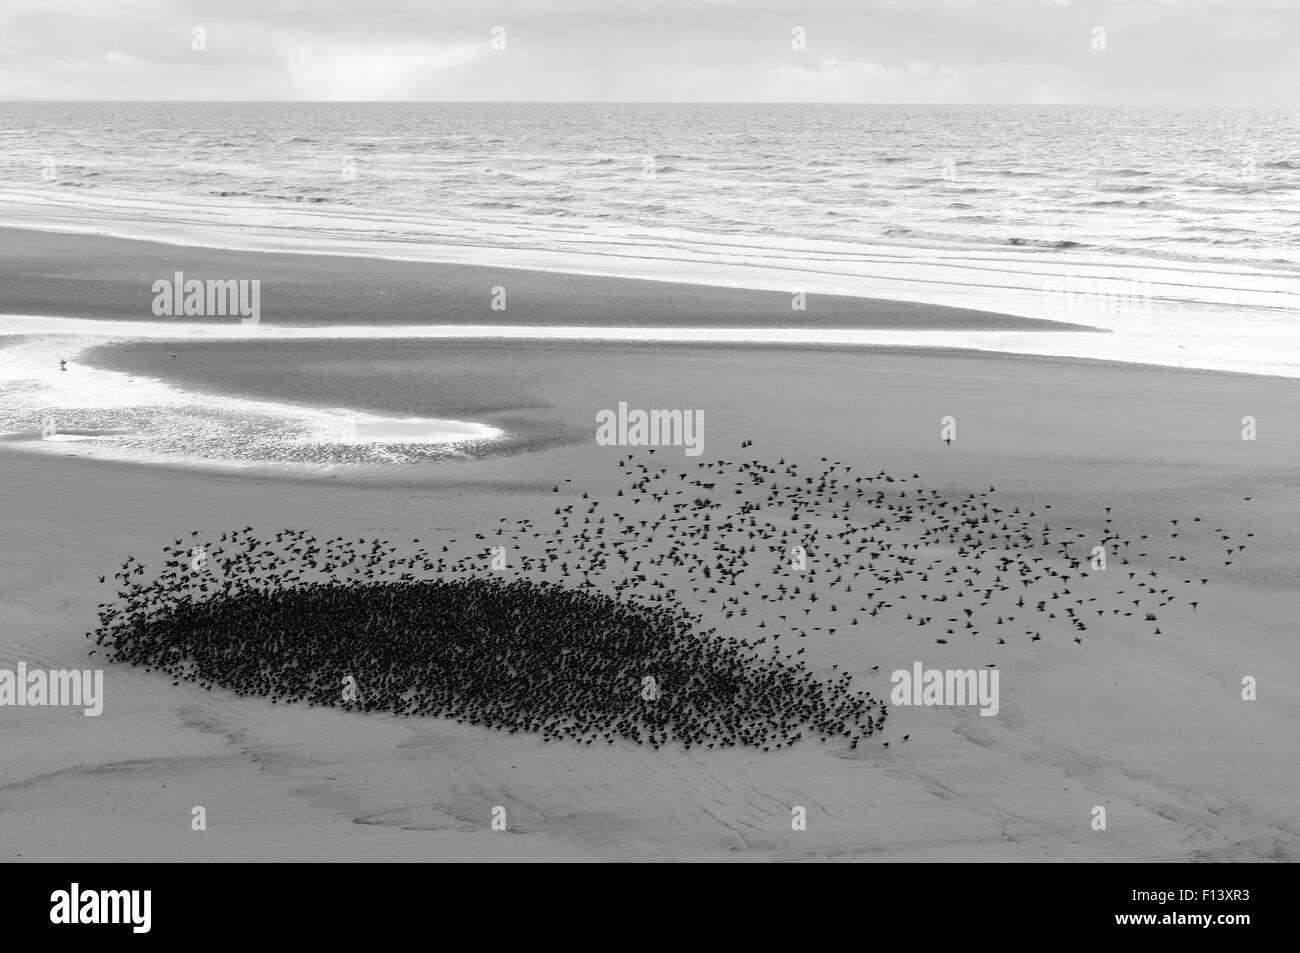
(516, 656)
(592, 622)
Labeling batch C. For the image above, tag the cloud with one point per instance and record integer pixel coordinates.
(1167, 51)
(335, 70)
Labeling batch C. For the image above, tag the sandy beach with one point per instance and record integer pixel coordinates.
(1153, 728)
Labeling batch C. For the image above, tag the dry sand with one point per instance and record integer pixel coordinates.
(1151, 727)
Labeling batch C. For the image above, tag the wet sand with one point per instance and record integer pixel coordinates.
(91, 276)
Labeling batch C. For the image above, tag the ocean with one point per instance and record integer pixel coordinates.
(1215, 187)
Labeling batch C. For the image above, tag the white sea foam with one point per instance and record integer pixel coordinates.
(119, 416)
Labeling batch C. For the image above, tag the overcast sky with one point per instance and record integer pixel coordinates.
(999, 51)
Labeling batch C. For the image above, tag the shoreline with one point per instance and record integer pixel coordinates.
(96, 278)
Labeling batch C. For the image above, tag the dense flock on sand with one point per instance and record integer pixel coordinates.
(601, 621)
